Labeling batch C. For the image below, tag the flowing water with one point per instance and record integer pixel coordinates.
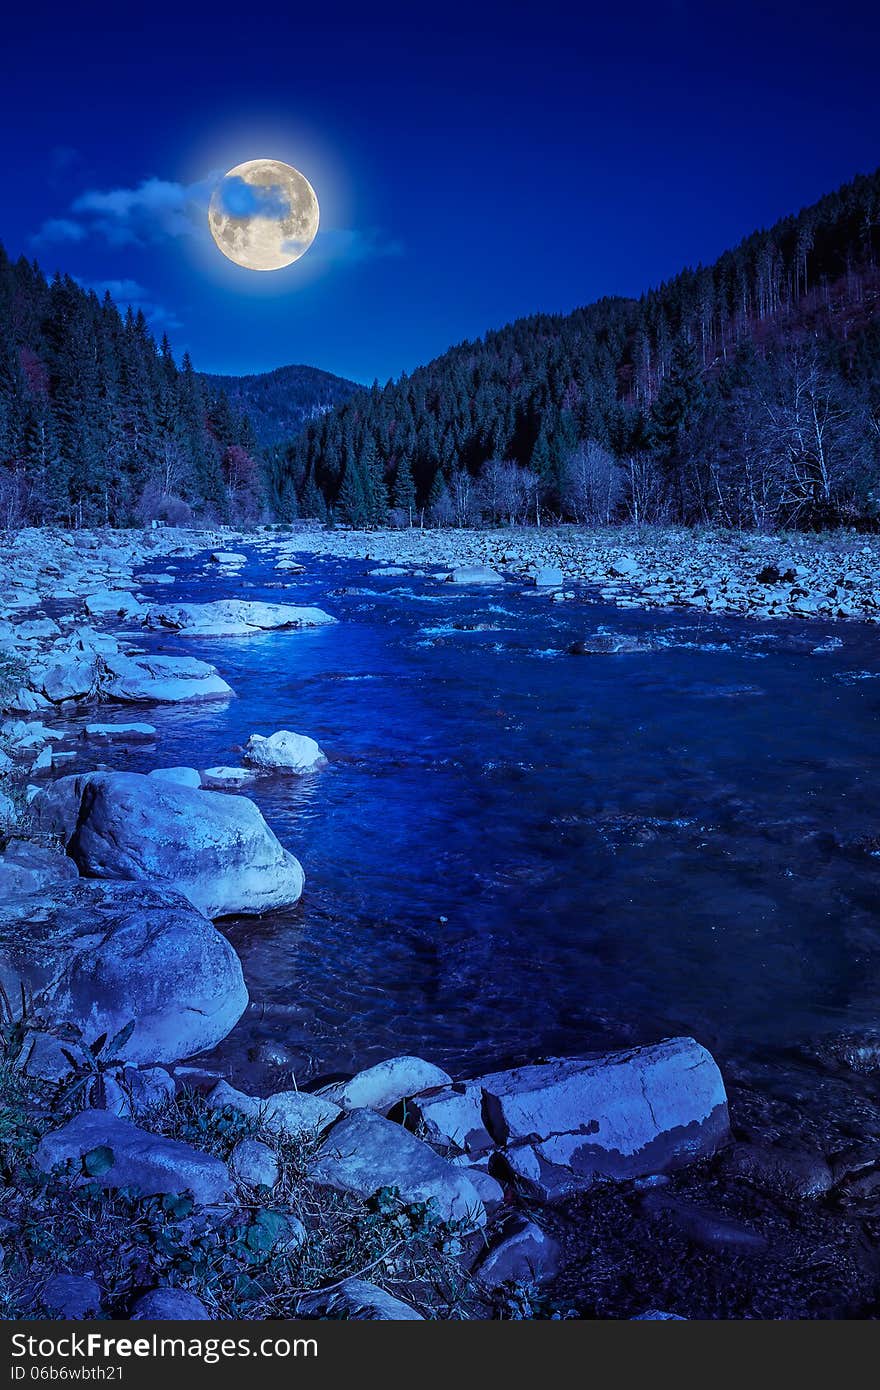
(517, 852)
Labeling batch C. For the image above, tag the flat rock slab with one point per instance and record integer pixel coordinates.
(128, 733)
(135, 1158)
(216, 850)
(365, 1152)
(561, 1125)
(160, 680)
(233, 617)
(103, 955)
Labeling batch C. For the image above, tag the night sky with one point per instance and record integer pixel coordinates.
(473, 163)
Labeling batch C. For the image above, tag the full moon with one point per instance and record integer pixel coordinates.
(263, 214)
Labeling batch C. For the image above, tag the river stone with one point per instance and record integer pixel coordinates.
(521, 1251)
(358, 1300)
(365, 1152)
(787, 1173)
(27, 868)
(549, 577)
(382, 1086)
(227, 557)
(216, 850)
(169, 1305)
(474, 574)
(181, 776)
(99, 955)
(452, 1117)
(138, 1159)
(142, 1088)
(294, 1113)
(254, 1163)
(284, 751)
(69, 678)
(215, 778)
(705, 1227)
(71, 1296)
(233, 617)
(112, 603)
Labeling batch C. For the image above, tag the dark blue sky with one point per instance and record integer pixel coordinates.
(473, 163)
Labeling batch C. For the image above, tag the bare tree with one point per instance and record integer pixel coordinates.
(463, 494)
(813, 439)
(592, 485)
(646, 495)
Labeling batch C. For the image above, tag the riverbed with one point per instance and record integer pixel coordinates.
(517, 852)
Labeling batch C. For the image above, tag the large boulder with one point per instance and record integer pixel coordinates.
(284, 752)
(365, 1152)
(382, 1086)
(559, 1126)
(119, 1154)
(68, 677)
(216, 850)
(101, 955)
(233, 617)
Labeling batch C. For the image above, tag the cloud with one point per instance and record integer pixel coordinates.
(161, 209)
(59, 229)
(128, 292)
(350, 246)
(153, 211)
(240, 199)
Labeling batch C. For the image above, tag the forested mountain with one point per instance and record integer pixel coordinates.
(746, 392)
(98, 424)
(279, 403)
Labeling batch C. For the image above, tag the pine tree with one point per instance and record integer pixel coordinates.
(313, 504)
(405, 489)
(353, 499)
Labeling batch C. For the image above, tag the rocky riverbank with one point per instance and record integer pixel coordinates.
(138, 1182)
(783, 576)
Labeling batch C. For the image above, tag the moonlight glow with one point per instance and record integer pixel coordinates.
(263, 214)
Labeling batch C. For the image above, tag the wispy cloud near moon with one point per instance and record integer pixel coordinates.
(158, 210)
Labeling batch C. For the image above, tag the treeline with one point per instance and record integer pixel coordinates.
(99, 425)
(746, 392)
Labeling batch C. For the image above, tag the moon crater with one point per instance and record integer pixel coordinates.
(263, 214)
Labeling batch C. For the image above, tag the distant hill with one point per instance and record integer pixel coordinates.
(745, 392)
(280, 402)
